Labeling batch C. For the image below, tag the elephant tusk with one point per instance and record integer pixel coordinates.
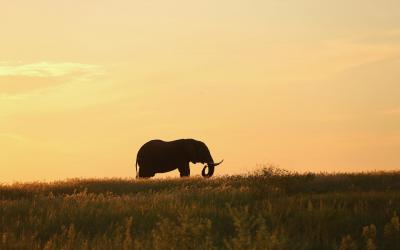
(215, 164)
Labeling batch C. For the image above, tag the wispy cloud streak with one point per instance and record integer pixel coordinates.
(47, 69)
(14, 137)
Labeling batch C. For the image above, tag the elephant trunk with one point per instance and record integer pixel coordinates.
(210, 171)
(211, 167)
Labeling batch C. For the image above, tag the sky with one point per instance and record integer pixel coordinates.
(303, 85)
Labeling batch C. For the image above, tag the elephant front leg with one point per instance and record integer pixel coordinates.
(184, 171)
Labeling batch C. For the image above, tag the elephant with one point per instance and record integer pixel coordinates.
(157, 156)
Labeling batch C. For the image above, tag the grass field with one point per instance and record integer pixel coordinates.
(270, 209)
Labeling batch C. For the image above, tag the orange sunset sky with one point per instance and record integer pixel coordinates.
(306, 85)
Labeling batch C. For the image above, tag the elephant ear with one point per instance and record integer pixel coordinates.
(190, 150)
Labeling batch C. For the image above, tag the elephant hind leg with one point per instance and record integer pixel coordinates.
(145, 174)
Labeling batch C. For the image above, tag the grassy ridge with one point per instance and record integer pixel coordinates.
(271, 209)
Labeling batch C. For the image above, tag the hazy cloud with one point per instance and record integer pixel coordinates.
(392, 111)
(17, 78)
(14, 137)
(47, 69)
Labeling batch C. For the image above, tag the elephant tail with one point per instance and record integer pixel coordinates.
(137, 168)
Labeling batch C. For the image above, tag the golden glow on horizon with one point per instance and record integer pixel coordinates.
(305, 85)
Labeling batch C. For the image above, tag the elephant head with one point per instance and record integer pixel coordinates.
(197, 152)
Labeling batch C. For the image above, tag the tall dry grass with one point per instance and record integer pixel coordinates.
(271, 209)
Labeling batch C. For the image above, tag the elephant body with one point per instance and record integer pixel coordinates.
(157, 156)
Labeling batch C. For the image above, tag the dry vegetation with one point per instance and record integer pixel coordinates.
(271, 209)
